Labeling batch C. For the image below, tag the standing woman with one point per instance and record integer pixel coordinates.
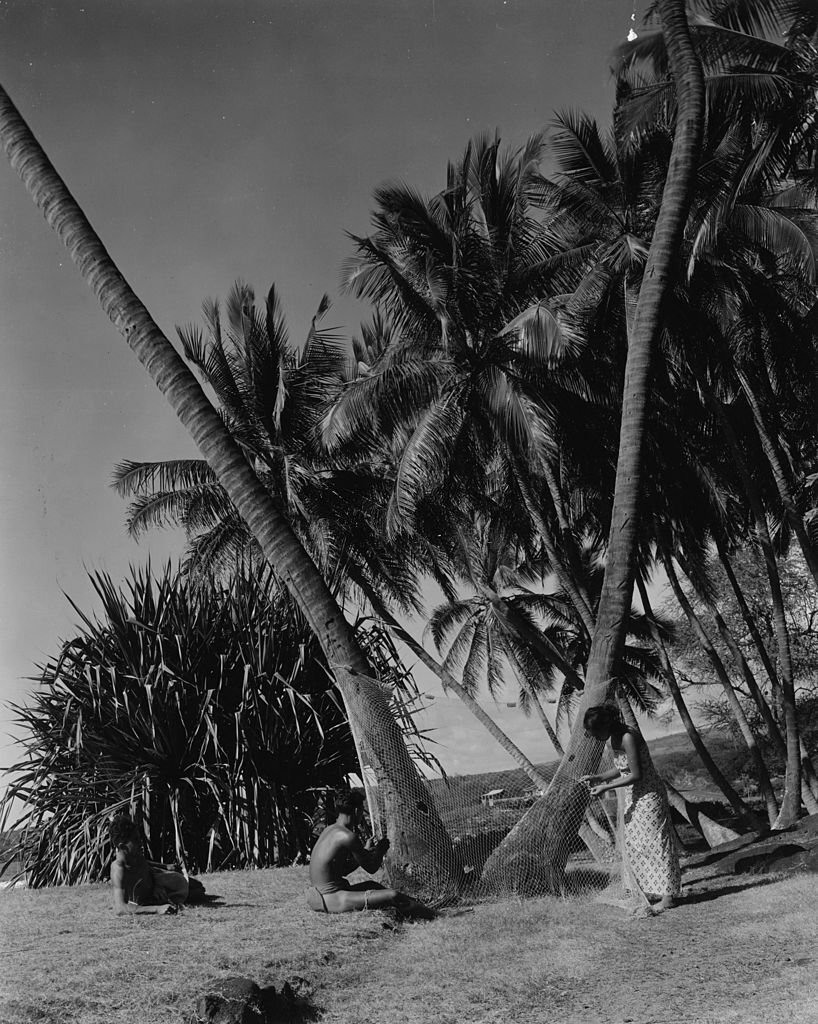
(651, 848)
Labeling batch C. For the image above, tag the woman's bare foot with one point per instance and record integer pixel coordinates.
(666, 903)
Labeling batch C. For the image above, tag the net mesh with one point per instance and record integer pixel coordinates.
(458, 839)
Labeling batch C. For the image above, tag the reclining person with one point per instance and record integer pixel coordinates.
(141, 886)
(338, 852)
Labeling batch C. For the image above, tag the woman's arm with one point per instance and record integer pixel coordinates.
(594, 780)
(628, 778)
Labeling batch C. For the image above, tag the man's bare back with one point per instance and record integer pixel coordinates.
(334, 855)
(338, 852)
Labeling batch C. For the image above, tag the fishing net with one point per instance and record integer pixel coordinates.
(511, 833)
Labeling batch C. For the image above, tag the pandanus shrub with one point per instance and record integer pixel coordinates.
(209, 714)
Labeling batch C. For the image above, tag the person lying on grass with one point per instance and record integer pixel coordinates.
(338, 852)
(141, 886)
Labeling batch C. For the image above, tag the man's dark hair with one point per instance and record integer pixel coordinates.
(123, 829)
(347, 801)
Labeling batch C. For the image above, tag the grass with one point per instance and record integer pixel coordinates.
(744, 953)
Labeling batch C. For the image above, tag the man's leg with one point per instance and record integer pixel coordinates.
(378, 898)
(169, 886)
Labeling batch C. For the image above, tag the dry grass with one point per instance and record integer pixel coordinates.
(742, 954)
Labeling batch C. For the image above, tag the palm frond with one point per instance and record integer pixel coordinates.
(174, 475)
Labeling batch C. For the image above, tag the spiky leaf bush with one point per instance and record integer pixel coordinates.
(208, 713)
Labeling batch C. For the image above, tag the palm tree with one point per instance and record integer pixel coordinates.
(665, 244)
(270, 395)
(541, 833)
(461, 379)
(759, 335)
(410, 818)
(761, 72)
(483, 640)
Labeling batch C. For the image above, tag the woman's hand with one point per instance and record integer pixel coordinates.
(598, 790)
(590, 780)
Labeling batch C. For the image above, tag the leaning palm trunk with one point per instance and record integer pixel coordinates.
(707, 645)
(565, 573)
(809, 783)
(590, 832)
(413, 823)
(713, 770)
(791, 801)
(792, 785)
(530, 691)
(713, 833)
(542, 835)
(569, 546)
(451, 683)
(773, 732)
(781, 476)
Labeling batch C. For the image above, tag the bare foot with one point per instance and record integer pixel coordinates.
(666, 903)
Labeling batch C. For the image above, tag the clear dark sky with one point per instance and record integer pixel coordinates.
(208, 140)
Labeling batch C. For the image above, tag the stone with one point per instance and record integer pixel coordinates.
(236, 1000)
(787, 859)
(231, 1001)
(774, 858)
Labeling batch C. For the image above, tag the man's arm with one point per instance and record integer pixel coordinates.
(120, 898)
(369, 857)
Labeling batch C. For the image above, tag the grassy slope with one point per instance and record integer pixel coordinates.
(746, 954)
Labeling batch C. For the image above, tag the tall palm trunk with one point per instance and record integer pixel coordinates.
(542, 832)
(617, 587)
(412, 821)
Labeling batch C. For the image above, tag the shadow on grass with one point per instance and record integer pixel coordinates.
(706, 895)
(585, 881)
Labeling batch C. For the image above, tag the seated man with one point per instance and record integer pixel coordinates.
(140, 886)
(339, 852)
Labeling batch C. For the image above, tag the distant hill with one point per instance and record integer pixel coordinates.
(678, 762)
(674, 757)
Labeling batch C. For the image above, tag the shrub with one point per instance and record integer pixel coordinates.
(208, 713)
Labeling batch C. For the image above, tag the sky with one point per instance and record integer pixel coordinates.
(210, 140)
